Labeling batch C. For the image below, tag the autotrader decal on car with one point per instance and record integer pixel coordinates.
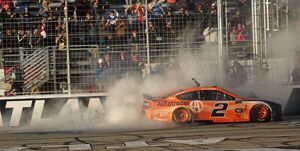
(173, 103)
(196, 106)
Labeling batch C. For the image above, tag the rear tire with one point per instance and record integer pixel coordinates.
(182, 116)
(260, 113)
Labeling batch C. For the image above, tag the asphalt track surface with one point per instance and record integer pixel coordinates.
(283, 135)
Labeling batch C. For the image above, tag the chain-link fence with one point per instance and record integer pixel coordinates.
(86, 46)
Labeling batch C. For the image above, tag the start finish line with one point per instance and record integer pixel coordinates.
(26, 110)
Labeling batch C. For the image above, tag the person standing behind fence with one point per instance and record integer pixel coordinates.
(18, 81)
(155, 7)
(210, 33)
(239, 74)
(60, 40)
(296, 71)
(156, 12)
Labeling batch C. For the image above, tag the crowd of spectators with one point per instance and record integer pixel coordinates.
(27, 26)
(99, 22)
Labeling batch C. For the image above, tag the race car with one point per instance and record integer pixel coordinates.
(209, 104)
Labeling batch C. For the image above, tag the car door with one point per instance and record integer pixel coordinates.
(218, 106)
(194, 103)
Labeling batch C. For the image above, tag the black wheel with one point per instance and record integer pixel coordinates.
(182, 116)
(260, 113)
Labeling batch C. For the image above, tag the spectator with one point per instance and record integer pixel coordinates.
(210, 33)
(296, 75)
(155, 7)
(23, 43)
(121, 31)
(201, 15)
(26, 19)
(18, 81)
(172, 4)
(109, 39)
(10, 18)
(181, 18)
(213, 14)
(50, 24)
(123, 63)
(60, 40)
(182, 3)
(233, 36)
(107, 60)
(239, 74)
(91, 28)
(60, 26)
(100, 74)
(44, 9)
(296, 71)
(112, 20)
(102, 31)
(7, 2)
(170, 33)
(241, 28)
(95, 8)
(137, 12)
(112, 17)
(154, 35)
(134, 40)
(169, 14)
(240, 36)
(23, 39)
(39, 35)
(200, 19)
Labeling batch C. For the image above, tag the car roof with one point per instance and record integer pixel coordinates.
(204, 88)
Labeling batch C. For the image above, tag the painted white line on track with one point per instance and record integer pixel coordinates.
(14, 149)
(295, 122)
(263, 149)
(200, 141)
(80, 147)
(136, 144)
(284, 123)
(70, 147)
(54, 146)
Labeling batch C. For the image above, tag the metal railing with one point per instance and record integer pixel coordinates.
(36, 70)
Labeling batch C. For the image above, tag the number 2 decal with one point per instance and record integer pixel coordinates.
(218, 111)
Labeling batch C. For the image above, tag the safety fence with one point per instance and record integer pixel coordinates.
(72, 49)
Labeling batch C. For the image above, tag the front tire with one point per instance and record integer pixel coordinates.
(260, 113)
(182, 116)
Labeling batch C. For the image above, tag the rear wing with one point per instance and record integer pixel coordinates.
(149, 97)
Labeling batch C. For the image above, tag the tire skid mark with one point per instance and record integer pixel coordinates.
(84, 142)
(287, 143)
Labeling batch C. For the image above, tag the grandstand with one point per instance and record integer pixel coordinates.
(54, 47)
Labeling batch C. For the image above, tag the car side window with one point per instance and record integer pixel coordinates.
(223, 96)
(189, 96)
(208, 95)
(214, 95)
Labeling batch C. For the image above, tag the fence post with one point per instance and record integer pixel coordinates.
(67, 47)
(147, 40)
(220, 41)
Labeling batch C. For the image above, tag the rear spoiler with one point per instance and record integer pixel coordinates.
(148, 97)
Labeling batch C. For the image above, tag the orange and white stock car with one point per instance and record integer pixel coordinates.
(210, 104)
